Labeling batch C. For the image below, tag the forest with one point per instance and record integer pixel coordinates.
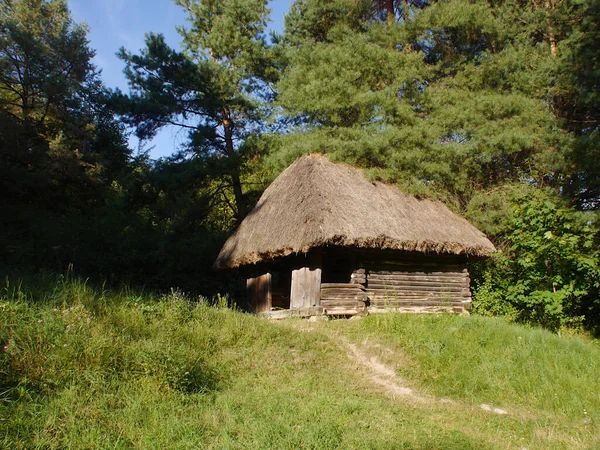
(491, 106)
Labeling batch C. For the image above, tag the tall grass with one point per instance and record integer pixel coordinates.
(92, 368)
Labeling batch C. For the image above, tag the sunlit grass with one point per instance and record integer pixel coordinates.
(91, 368)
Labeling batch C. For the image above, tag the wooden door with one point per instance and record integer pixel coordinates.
(306, 288)
(259, 292)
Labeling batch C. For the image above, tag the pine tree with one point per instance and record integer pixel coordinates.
(438, 99)
(55, 134)
(213, 88)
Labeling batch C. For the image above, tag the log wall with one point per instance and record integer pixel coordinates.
(343, 298)
(405, 286)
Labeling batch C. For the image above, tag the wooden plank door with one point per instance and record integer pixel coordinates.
(306, 288)
(259, 292)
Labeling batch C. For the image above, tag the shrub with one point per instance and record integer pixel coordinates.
(546, 271)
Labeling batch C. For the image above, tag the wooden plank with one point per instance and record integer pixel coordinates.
(423, 283)
(259, 292)
(343, 292)
(414, 298)
(403, 286)
(417, 303)
(342, 295)
(381, 290)
(373, 296)
(342, 299)
(330, 305)
(419, 270)
(418, 276)
(412, 265)
(306, 288)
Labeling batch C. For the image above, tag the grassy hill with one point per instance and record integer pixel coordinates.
(85, 368)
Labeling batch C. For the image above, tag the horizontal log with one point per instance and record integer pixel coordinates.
(417, 295)
(409, 295)
(341, 285)
(359, 272)
(344, 305)
(340, 293)
(417, 286)
(416, 303)
(417, 309)
(325, 301)
(411, 265)
(439, 276)
(420, 282)
(344, 291)
(344, 297)
(425, 289)
(374, 300)
(414, 287)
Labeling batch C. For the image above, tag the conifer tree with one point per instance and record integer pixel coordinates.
(213, 88)
(55, 134)
(439, 99)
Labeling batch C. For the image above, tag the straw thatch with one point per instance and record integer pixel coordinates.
(315, 203)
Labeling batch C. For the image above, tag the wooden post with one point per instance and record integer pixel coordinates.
(306, 284)
(259, 292)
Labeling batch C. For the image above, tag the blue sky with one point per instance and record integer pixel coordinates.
(123, 23)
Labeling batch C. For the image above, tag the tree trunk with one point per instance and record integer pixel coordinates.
(389, 7)
(405, 11)
(235, 173)
(551, 32)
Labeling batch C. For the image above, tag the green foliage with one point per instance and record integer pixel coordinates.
(547, 271)
(212, 89)
(438, 101)
(57, 146)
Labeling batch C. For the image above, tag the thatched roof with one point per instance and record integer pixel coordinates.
(315, 202)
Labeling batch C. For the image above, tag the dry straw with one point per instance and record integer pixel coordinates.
(315, 203)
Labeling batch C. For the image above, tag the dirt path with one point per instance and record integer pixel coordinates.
(380, 373)
(385, 375)
(379, 363)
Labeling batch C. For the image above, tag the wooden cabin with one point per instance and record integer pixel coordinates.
(323, 239)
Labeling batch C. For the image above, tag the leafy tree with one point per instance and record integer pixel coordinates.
(55, 134)
(61, 149)
(212, 89)
(547, 270)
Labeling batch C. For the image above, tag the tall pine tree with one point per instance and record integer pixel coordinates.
(213, 88)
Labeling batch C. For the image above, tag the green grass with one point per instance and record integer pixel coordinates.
(475, 358)
(86, 368)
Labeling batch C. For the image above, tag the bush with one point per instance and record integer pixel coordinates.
(546, 271)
